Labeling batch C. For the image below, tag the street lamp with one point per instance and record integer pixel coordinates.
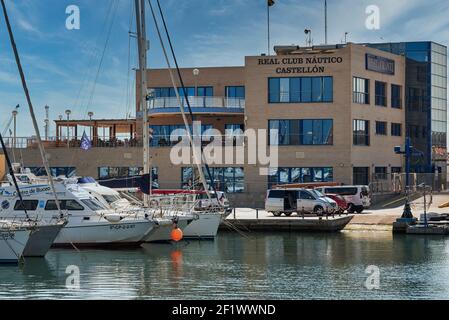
(14, 115)
(90, 114)
(196, 73)
(68, 112)
(47, 122)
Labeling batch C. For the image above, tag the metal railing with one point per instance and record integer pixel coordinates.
(155, 141)
(396, 182)
(199, 102)
(73, 142)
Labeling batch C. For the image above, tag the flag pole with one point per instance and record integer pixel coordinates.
(268, 25)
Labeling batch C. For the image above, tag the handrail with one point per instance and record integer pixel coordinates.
(199, 102)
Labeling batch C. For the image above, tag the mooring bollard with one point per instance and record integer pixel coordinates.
(302, 213)
(257, 214)
(234, 213)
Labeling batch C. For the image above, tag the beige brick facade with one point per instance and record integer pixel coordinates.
(342, 64)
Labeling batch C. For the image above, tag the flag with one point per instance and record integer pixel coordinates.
(270, 3)
(85, 142)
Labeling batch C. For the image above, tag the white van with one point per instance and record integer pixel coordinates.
(357, 197)
(287, 201)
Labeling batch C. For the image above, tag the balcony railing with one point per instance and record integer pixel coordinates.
(73, 142)
(199, 102)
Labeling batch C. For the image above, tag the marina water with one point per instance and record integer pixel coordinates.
(260, 266)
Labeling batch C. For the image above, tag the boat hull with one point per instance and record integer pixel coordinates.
(12, 244)
(162, 233)
(101, 234)
(205, 227)
(42, 239)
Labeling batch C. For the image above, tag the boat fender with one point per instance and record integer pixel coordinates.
(113, 217)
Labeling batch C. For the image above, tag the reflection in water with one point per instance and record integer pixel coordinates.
(277, 266)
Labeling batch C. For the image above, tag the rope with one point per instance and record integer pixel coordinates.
(102, 56)
(92, 58)
(192, 118)
(30, 105)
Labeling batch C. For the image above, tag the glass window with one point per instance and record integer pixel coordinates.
(306, 89)
(380, 173)
(360, 176)
(360, 90)
(381, 128)
(316, 132)
(317, 89)
(301, 132)
(205, 91)
(396, 169)
(55, 171)
(273, 90)
(300, 90)
(92, 204)
(299, 175)
(71, 205)
(284, 90)
(328, 89)
(381, 93)
(235, 92)
(396, 96)
(28, 205)
(229, 180)
(396, 129)
(295, 90)
(361, 133)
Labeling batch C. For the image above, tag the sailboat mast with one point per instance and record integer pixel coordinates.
(30, 106)
(142, 49)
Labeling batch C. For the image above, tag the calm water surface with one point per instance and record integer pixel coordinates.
(263, 266)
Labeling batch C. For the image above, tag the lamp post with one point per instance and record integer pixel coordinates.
(196, 73)
(14, 115)
(47, 122)
(90, 114)
(68, 112)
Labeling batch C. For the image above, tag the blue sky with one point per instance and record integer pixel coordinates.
(61, 64)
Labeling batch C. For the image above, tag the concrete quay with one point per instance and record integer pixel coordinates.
(370, 220)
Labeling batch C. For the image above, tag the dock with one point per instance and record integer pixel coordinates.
(260, 220)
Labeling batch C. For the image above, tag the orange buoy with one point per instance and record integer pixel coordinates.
(176, 234)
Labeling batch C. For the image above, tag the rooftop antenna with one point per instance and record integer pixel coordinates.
(325, 21)
(346, 37)
(308, 33)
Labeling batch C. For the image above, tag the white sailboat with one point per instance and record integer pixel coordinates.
(206, 226)
(166, 217)
(89, 222)
(13, 240)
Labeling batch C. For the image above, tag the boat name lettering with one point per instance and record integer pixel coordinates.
(7, 235)
(122, 227)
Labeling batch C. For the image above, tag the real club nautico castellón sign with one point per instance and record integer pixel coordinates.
(300, 64)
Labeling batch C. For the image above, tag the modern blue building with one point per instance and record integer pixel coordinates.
(426, 101)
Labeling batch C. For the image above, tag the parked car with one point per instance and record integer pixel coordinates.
(357, 197)
(287, 201)
(341, 202)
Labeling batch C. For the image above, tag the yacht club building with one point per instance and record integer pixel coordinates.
(337, 113)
